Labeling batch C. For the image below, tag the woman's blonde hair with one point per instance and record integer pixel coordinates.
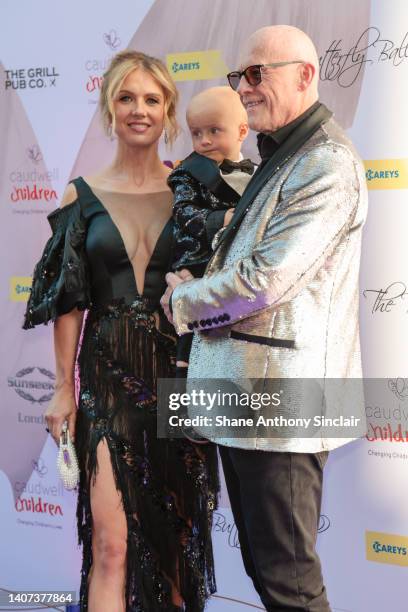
(121, 66)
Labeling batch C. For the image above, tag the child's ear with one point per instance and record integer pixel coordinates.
(243, 131)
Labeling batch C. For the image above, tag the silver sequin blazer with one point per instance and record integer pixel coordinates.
(281, 298)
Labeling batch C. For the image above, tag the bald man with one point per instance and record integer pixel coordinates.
(207, 184)
(279, 300)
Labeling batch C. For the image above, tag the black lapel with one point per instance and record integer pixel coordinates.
(295, 140)
(206, 171)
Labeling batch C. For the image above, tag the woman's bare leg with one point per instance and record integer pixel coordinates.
(109, 540)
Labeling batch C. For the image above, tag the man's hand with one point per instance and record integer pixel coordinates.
(165, 301)
(172, 281)
(228, 216)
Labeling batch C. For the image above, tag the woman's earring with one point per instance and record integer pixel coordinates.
(110, 132)
(166, 138)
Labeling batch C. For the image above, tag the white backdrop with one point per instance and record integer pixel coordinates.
(52, 56)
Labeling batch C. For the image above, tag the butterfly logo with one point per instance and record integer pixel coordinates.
(399, 386)
(34, 154)
(112, 40)
(40, 467)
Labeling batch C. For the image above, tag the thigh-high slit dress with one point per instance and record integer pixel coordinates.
(168, 487)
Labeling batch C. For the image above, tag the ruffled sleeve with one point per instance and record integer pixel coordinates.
(60, 279)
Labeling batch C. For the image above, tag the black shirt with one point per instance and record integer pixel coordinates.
(268, 144)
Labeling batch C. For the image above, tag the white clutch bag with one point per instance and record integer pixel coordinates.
(67, 462)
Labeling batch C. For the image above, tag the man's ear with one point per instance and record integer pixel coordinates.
(243, 131)
(306, 75)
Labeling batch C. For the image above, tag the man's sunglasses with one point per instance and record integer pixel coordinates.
(253, 74)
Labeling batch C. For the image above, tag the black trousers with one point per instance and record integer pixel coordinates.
(275, 500)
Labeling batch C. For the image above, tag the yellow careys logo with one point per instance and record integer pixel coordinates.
(386, 173)
(196, 65)
(387, 548)
(20, 287)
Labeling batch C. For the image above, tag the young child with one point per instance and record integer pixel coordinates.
(207, 184)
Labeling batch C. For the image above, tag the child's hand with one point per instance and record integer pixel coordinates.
(228, 216)
(185, 275)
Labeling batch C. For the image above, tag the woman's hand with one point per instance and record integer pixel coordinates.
(62, 407)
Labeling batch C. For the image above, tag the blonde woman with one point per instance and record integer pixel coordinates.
(144, 505)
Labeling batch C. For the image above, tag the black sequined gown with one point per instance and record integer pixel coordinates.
(169, 487)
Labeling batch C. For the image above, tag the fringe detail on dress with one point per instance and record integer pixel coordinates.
(169, 487)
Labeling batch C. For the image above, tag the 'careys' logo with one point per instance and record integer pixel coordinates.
(196, 65)
(387, 548)
(380, 547)
(387, 173)
(20, 288)
(30, 387)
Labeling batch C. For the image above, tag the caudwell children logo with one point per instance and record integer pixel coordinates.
(97, 66)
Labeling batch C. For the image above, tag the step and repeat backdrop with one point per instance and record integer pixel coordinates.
(52, 58)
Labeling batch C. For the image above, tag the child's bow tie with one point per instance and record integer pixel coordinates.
(245, 165)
